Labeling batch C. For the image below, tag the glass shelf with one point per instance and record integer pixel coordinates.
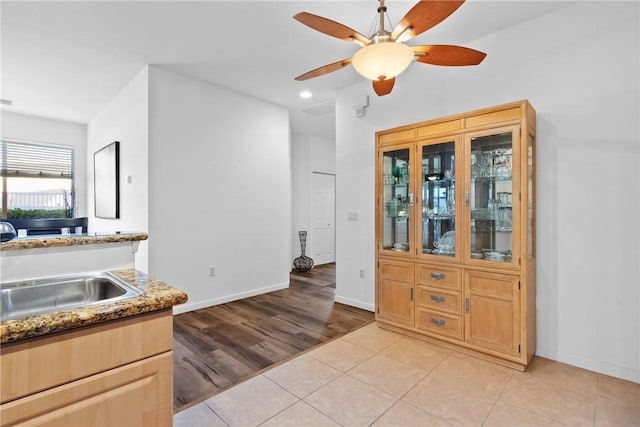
(491, 179)
(444, 182)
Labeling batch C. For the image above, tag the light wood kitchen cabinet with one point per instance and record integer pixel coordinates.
(455, 204)
(117, 373)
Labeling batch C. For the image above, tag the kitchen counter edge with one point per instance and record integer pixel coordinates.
(58, 240)
(157, 296)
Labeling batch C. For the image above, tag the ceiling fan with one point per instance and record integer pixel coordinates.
(384, 55)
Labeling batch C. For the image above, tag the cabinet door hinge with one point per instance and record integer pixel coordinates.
(519, 197)
(518, 348)
(519, 261)
(518, 284)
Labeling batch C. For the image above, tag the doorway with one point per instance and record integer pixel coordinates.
(323, 214)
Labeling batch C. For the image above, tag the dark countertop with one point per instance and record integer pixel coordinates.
(157, 296)
(57, 240)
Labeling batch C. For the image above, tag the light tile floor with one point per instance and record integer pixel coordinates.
(375, 377)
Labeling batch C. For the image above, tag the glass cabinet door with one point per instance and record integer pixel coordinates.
(397, 199)
(490, 195)
(437, 198)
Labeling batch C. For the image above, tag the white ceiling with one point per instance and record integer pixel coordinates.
(67, 59)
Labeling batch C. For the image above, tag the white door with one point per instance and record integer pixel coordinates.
(324, 218)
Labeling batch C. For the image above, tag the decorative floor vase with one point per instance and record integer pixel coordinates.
(303, 262)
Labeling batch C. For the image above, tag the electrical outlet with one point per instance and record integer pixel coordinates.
(212, 271)
(362, 273)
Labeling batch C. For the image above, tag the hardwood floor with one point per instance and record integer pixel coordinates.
(217, 347)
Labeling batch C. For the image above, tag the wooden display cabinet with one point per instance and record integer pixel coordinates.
(455, 231)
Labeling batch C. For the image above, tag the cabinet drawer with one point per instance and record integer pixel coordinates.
(439, 300)
(439, 277)
(439, 323)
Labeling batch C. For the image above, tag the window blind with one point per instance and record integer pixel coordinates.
(22, 159)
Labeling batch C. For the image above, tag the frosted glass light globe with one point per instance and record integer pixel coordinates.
(383, 60)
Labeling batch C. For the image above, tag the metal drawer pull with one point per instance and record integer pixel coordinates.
(437, 298)
(438, 276)
(437, 322)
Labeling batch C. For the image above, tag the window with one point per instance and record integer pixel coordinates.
(37, 180)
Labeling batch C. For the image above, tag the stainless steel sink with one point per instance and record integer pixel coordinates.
(33, 297)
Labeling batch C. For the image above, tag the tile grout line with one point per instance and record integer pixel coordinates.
(497, 400)
(412, 388)
(214, 411)
(284, 409)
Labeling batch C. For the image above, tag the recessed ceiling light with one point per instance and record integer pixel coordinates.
(305, 94)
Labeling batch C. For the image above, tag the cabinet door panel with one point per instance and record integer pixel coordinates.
(493, 312)
(395, 292)
(440, 170)
(492, 197)
(395, 191)
(138, 394)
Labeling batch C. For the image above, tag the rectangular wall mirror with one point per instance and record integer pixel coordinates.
(106, 171)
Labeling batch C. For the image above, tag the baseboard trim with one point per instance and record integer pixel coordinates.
(184, 308)
(355, 303)
(621, 372)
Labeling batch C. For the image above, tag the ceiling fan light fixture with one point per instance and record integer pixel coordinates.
(384, 60)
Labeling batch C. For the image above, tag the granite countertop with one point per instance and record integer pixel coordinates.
(157, 296)
(57, 240)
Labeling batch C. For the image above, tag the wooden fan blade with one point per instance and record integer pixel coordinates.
(448, 55)
(326, 69)
(424, 15)
(383, 87)
(331, 28)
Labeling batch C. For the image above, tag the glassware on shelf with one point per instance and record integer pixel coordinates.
(493, 207)
(504, 198)
(502, 163)
(504, 219)
(396, 208)
(400, 247)
(451, 200)
(446, 244)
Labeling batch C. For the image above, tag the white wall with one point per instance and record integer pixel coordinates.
(579, 67)
(309, 154)
(220, 190)
(39, 129)
(125, 119)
